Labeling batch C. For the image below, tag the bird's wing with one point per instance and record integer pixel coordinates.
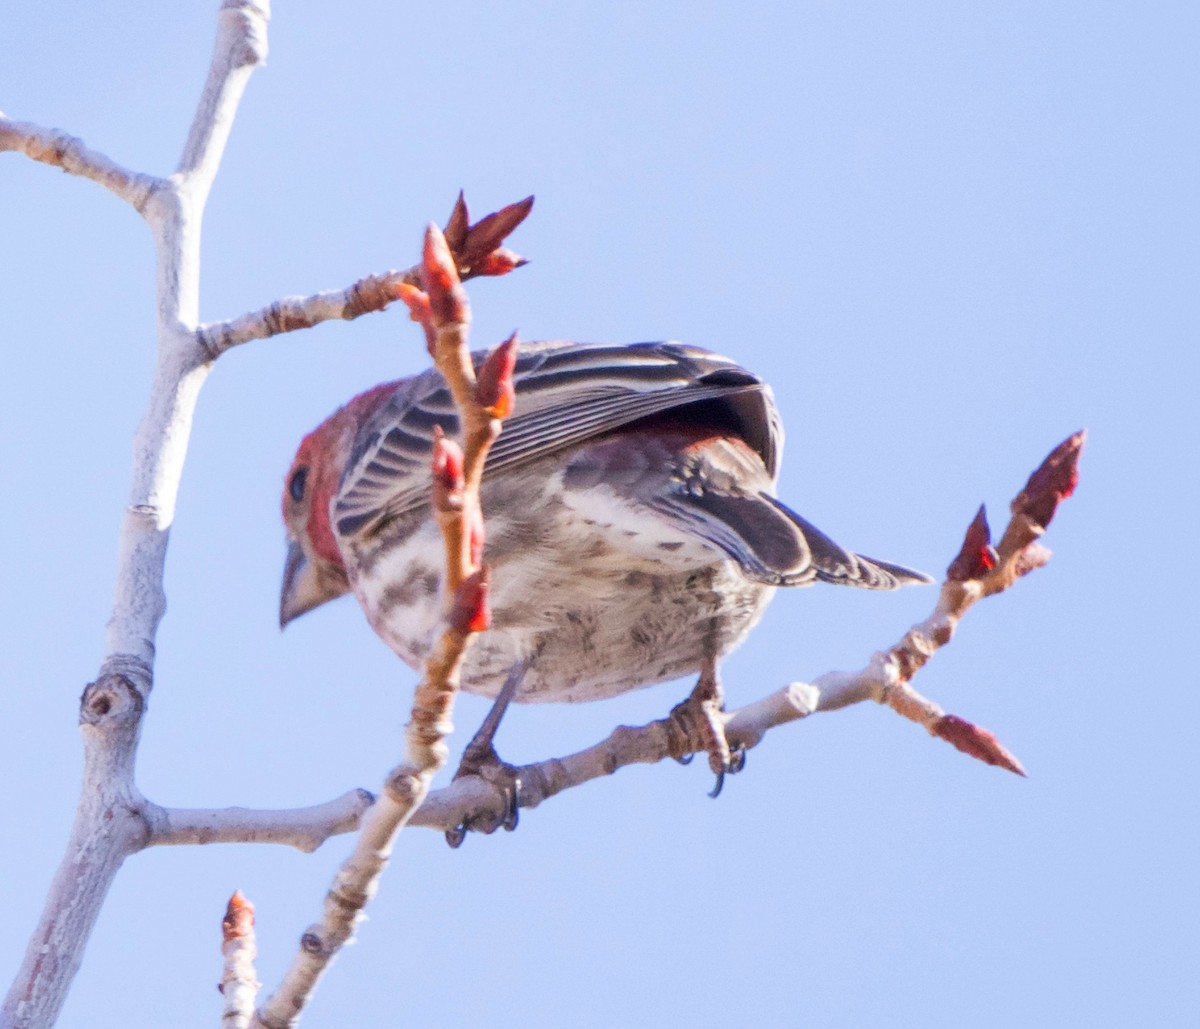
(567, 393)
(719, 495)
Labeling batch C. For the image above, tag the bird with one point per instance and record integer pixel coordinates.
(633, 532)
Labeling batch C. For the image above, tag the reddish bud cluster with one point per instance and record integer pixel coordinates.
(976, 742)
(477, 248)
(470, 610)
(494, 389)
(977, 556)
(1054, 481)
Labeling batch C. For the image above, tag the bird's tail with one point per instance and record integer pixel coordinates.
(830, 562)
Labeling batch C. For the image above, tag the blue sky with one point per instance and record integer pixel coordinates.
(948, 234)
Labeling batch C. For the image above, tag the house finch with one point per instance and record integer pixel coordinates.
(632, 530)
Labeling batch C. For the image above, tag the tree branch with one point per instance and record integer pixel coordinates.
(240, 47)
(475, 249)
(304, 828)
(72, 155)
(367, 295)
(109, 822)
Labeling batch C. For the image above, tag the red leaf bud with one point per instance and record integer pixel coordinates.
(1054, 481)
(977, 556)
(456, 228)
(470, 610)
(439, 277)
(975, 741)
(447, 467)
(494, 389)
(500, 261)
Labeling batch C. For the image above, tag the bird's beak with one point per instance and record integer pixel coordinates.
(302, 589)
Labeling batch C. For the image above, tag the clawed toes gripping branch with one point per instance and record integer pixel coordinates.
(978, 571)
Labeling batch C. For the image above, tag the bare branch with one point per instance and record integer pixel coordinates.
(367, 295)
(475, 250)
(72, 155)
(239, 985)
(304, 828)
(108, 820)
(240, 47)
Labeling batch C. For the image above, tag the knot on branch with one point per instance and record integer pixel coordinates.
(111, 700)
(404, 785)
(311, 943)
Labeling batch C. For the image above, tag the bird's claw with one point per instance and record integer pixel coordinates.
(505, 779)
(737, 761)
(701, 723)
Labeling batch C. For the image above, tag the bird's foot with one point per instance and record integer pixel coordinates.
(480, 758)
(701, 719)
(484, 762)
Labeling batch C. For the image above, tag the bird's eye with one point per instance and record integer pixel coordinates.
(297, 483)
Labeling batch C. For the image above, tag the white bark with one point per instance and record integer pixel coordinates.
(109, 821)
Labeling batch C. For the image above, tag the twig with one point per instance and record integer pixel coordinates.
(375, 292)
(365, 296)
(239, 985)
(72, 155)
(304, 828)
(441, 306)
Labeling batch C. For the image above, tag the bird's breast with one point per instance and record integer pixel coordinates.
(594, 599)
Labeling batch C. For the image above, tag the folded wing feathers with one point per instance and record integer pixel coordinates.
(566, 394)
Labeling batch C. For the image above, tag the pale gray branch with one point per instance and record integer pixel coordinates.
(240, 47)
(109, 823)
(72, 155)
(304, 828)
(372, 293)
